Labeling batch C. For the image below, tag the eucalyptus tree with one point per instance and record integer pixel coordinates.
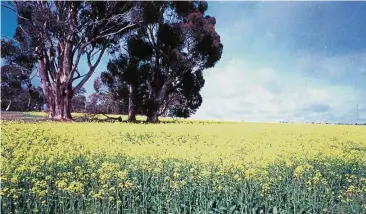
(63, 33)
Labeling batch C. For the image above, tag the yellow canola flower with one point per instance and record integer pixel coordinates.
(317, 177)
(14, 179)
(250, 173)
(61, 184)
(110, 157)
(122, 174)
(75, 187)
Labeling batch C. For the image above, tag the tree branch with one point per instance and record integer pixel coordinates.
(7, 37)
(91, 71)
(99, 58)
(78, 77)
(12, 9)
(88, 56)
(50, 71)
(112, 118)
(34, 75)
(151, 35)
(114, 33)
(76, 47)
(75, 65)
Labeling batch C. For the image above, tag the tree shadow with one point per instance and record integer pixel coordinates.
(109, 119)
(85, 118)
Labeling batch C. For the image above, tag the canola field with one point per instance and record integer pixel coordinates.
(182, 167)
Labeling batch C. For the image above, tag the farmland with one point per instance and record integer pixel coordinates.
(182, 167)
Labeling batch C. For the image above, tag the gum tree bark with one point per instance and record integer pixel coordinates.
(131, 104)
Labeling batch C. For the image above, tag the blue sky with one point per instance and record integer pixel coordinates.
(295, 61)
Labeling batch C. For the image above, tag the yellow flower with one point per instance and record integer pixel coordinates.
(299, 171)
(350, 189)
(95, 159)
(176, 175)
(250, 173)
(75, 187)
(317, 177)
(14, 179)
(128, 184)
(61, 184)
(237, 177)
(122, 174)
(175, 186)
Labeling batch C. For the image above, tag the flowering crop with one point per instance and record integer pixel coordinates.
(182, 167)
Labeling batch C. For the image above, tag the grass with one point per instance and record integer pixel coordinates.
(182, 167)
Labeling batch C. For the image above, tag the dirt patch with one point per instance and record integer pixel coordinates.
(10, 115)
(21, 116)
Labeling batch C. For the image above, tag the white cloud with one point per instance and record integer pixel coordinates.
(242, 90)
(267, 74)
(346, 68)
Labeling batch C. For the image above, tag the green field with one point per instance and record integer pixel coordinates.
(182, 167)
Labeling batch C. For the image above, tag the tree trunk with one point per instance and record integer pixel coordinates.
(67, 108)
(47, 89)
(51, 106)
(59, 94)
(67, 98)
(62, 110)
(162, 109)
(29, 102)
(59, 105)
(156, 100)
(153, 107)
(152, 114)
(131, 105)
(7, 108)
(153, 110)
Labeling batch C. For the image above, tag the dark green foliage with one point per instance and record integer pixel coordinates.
(166, 57)
(121, 73)
(139, 48)
(169, 36)
(79, 101)
(17, 91)
(107, 18)
(151, 12)
(183, 8)
(102, 101)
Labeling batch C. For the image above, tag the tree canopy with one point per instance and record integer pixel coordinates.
(163, 59)
(159, 49)
(59, 33)
(17, 90)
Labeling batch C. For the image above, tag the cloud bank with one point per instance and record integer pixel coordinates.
(243, 91)
(287, 62)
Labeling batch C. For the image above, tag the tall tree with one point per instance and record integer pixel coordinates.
(10, 88)
(125, 77)
(62, 32)
(103, 102)
(17, 74)
(170, 50)
(79, 101)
